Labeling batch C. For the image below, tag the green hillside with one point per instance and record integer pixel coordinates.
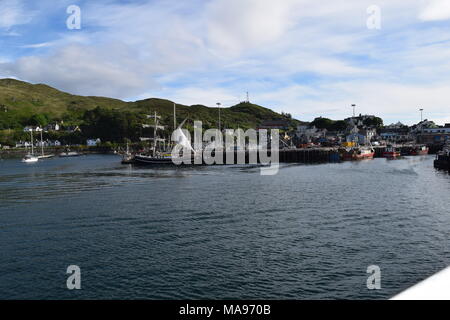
(23, 104)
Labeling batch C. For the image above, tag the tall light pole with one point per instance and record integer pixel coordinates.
(174, 116)
(354, 110)
(218, 106)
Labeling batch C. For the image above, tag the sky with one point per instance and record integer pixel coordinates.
(305, 57)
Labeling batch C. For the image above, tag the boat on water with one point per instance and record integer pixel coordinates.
(46, 156)
(68, 154)
(127, 156)
(43, 155)
(357, 153)
(419, 151)
(156, 159)
(442, 160)
(158, 154)
(391, 152)
(30, 157)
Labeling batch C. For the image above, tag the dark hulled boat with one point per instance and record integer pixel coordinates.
(419, 151)
(443, 159)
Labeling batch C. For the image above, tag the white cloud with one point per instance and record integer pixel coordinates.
(436, 10)
(300, 56)
(235, 25)
(392, 101)
(38, 45)
(85, 70)
(12, 13)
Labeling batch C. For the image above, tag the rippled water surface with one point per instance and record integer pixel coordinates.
(309, 232)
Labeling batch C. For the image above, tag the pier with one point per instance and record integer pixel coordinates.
(313, 155)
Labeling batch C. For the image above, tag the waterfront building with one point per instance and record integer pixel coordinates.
(93, 142)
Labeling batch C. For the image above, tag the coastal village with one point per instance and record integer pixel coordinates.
(39, 122)
(323, 140)
(357, 131)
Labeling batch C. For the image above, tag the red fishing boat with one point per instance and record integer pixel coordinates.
(391, 152)
(357, 153)
(419, 151)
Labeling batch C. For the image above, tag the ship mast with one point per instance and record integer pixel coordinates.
(32, 148)
(42, 144)
(154, 137)
(174, 121)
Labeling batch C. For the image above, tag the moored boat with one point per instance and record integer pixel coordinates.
(29, 158)
(443, 158)
(43, 155)
(391, 152)
(357, 153)
(127, 157)
(67, 154)
(46, 156)
(158, 159)
(419, 151)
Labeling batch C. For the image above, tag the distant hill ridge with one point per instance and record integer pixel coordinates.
(27, 99)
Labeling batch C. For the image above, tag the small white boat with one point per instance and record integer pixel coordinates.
(43, 155)
(69, 154)
(46, 156)
(29, 158)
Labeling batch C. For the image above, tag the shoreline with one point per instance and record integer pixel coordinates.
(19, 153)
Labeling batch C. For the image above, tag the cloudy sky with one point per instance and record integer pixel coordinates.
(310, 58)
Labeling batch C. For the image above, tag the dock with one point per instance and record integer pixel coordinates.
(314, 155)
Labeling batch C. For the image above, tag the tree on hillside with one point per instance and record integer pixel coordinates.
(40, 120)
(373, 122)
(322, 123)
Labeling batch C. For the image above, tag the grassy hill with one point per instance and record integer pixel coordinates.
(40, 98)
(23, 104)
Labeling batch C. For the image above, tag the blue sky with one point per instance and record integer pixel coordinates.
(309, 58)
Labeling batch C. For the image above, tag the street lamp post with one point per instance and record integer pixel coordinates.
(218, 106)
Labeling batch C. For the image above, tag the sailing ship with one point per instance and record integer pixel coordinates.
(159, 155)
(30, 157)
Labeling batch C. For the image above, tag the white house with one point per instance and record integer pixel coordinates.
(93, 142)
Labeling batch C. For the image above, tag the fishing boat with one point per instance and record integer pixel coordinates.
(419, 151)
(391, 152)
(30, 157)
(443, 158)
(357, 153)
